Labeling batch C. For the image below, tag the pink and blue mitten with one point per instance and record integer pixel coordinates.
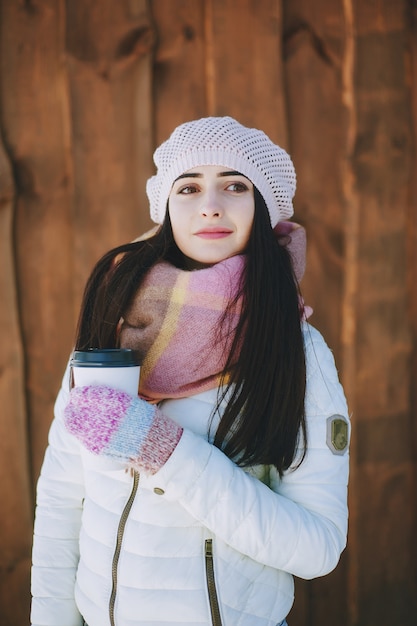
(112, 423)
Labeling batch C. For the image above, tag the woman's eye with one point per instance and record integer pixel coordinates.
(187, 189)
(237, 187)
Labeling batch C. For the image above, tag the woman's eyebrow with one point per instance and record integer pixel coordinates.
(231, 173)
(199, 175)
(189, 175)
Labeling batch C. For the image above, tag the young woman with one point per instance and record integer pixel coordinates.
(197, 501)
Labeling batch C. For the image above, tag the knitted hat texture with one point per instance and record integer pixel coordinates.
(223, 141)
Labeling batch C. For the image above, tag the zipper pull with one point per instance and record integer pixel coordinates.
(209, 548)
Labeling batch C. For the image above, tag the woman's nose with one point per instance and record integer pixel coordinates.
(211, 206)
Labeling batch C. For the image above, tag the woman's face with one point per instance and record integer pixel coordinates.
(211, 209)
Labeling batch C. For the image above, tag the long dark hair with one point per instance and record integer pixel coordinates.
(264, 416)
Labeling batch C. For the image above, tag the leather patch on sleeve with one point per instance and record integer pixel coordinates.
(337, 437)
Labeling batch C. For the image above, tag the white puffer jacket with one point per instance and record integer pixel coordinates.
(129, 550)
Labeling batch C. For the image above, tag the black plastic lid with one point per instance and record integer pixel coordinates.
(107, 357)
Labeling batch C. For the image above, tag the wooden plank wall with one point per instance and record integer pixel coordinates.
(88, 88)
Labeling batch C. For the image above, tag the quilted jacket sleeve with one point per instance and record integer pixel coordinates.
(60, 493)
(299, 523)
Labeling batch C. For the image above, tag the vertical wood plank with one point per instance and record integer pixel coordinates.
(15, 488)
(108, 47)
(350, 296)
(211, 62)
(36, 123)
(375, 337)
(180, 64)
(386, 495)
(244, 55)
(314, 48)
(412, 250)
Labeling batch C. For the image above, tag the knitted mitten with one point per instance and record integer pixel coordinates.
(112, 423)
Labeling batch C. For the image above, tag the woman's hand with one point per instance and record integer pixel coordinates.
(112, 423)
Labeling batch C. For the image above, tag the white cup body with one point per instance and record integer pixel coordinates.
(122, 378)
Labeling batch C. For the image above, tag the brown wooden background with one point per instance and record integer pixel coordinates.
(88, 89)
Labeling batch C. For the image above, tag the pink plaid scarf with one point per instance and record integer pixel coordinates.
(178, 323)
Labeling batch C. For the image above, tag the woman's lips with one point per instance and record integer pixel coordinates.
(213, 233)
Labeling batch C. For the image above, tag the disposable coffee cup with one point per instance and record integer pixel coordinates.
(114, 367)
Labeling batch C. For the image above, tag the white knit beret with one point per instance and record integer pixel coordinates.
(223, 141)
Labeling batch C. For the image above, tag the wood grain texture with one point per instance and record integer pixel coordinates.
(108, 48)
(244, 42)
(350, 124)
(15, 488)
(179, 72)
(386, 455)
(88, 89)
(37, 134)
(314, 53)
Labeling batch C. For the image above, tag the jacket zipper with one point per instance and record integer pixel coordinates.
(119, 540)
(211, 584)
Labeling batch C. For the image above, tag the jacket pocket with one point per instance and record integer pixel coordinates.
(211, 584)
